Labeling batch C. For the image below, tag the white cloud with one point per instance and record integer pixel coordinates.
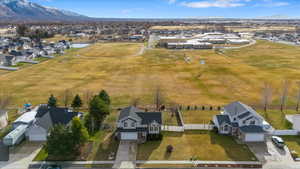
(215, 3)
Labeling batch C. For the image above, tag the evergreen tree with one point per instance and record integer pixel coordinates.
(98, 110)
(52, 101)
(60, 143)
(79, 132)
(77, 102)
(105, 97)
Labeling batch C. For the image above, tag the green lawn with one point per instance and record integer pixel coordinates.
(198, 116)
(277, 118)
(202, 145)
(293, 143)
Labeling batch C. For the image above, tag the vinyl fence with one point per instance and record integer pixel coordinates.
(285, 132)
(198, 127)
(172, 128)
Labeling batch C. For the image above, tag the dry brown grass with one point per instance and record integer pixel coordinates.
(235, 75)
(59, 37)
(229, 28)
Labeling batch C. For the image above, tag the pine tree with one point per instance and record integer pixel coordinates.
(77, 102)
(52, 101)
(79, 132)
(105, 97)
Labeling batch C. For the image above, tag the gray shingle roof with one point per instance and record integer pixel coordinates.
(47, 117)
(144, 117)
(252, 129)
(223, 119)
(130, 112)
(238, 108)
(149, 117)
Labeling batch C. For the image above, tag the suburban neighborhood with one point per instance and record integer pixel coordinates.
(146, 85)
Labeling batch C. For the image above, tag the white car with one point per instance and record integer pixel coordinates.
(278, 141)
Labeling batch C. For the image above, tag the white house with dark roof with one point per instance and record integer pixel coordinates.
(242, 121)
(135, 124)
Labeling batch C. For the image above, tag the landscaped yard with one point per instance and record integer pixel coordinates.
(202, 145)
(293, 142)
(99, 147)
(198, 116)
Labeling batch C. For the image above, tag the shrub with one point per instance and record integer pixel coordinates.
(170, 149)
(154, 137)
(294, 154)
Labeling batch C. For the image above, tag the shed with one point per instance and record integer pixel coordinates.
(15, 136)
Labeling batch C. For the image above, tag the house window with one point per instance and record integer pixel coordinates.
(125, 124)
(133, 124)
(252, 122)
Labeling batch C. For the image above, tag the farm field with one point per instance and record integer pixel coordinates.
(200, 145)
(228, 76)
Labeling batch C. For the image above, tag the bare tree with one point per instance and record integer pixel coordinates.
(136, 102)
(284, 95)
(158, 98)
(266, 96)
(88, 97)
(298, 97)
(67, 97)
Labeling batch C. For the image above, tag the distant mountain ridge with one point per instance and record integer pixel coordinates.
(24, 10)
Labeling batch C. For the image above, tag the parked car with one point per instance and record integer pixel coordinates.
(278, 141)
(54, 167)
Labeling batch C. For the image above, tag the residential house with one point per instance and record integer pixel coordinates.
(242, 121)
(136, 125)
(46, 118)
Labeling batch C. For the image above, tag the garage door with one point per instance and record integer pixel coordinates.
(37, 138)
(254, 137)
(129, 136)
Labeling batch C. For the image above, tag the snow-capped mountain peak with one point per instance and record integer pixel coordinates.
(24, 9)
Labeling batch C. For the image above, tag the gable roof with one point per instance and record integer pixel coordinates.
(252, 129)
(144, 117)
(130, 112)
(240, 109)
(149, 117)
(47, 117)
(223, 119)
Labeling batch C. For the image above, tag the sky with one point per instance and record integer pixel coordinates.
(179, 8)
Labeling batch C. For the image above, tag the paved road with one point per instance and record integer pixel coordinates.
(126, 155)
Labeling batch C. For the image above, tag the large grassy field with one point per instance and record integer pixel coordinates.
(200, 145)
(234, 75)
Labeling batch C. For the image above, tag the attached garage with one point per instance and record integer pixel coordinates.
(254, 137)
(252, 133)
(129, 136)
(37, 133)
(37, 138)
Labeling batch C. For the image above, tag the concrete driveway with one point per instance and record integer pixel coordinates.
(126, 155)
(268, 152)
(21, 156)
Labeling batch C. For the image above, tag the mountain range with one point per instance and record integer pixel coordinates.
(24, 10)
